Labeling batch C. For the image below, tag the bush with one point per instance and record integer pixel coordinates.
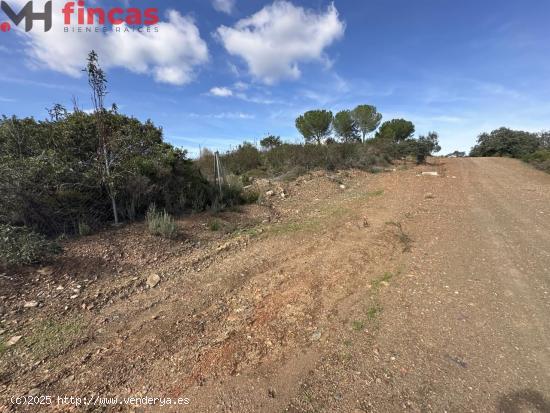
(161, 223)
(540, 159)
(214, 225)
(49, 179)
(506, 142)
(250, 197)
(20, 246)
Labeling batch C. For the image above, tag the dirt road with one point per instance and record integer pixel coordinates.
(352, 293)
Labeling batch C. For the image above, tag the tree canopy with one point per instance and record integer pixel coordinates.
(270, 141)
(396, 130)
(506, 142)
(315, 125)
(345, 126)
(366, 118)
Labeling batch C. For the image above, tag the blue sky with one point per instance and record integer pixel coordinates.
(222, 71)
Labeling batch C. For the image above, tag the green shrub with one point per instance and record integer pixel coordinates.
(161, 223)
(214, 225)
(20, 246)
(506, 142)
(540, 159)
(250, 196)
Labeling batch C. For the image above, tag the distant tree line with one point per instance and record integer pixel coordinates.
(355, 126)
(351, 139)
(531, 147)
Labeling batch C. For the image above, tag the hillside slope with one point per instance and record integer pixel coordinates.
(352, 293)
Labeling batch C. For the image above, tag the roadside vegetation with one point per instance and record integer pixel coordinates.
(530, 147)
(76, 172)
(330, 143)
(79, 171)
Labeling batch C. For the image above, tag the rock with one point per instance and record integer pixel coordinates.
(60, 287)
(430, 174)
(271, 393)
(34, 392)
(45, 271)
(429, 195)
(342, 186)
(30, 304)
(270, 193)
(224, 247)
(153, 280)
(13, 341)
(316, 336)
(72, 297)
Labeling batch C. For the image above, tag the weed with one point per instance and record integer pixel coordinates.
(3, 348)
(374, 311)
(403, 237)
(250, 197)
(21, 245)
(214, 225)
(161, 223)
(358, 325)
(52, 337)
(379, 192)
(384, 279)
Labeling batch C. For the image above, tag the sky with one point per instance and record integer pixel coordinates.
(218, 72)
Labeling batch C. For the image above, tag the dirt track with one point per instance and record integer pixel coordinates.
(398, 292)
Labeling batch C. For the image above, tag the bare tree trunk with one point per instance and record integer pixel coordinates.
(115, 213)
(110, 189)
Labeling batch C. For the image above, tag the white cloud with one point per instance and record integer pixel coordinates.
(240, 87)
(170, 55)
(221, 91)
(276, 39)
(234, 115)
(223, 115)
(225, 6)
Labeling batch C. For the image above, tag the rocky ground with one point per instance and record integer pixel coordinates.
(339, 292)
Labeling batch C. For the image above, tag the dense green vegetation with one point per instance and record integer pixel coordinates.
(531, 147)
(76, 172)
(51, 178)
(331, 142)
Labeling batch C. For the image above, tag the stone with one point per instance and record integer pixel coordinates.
(430, 174)
(153, 280)
(342, 186)
(45, 271)
(13, 341)
(34, 392)
(30, 304)
(270, 193)
(316, 336)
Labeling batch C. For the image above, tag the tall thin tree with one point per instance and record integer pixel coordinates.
(98, 83)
